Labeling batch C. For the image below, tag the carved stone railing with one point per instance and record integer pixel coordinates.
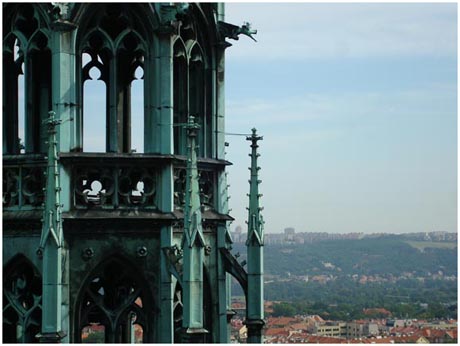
(23, 182)
(114, 187)
(113, 181)
(104, 181)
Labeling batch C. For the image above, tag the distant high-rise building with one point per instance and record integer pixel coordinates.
(289, 234)
(289, 231)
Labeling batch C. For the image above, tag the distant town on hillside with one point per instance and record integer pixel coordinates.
(290, 236)
(355, 287)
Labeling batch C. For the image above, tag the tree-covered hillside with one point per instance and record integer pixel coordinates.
(340, 278)
(368, 256)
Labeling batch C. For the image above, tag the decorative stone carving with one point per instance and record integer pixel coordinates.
(142, 251)
(23, 186)
(33, 183)
(10, 186)
(87, 253)
(115, 187)
(206, 182)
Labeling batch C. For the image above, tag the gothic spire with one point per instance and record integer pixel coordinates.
(51, 242)
(255, 296)
(255, 221)
(193, 246)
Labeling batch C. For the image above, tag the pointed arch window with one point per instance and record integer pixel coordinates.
(193, 86)
(118, 50)
(130, 59)
(21, 108)
(137, 111)
(180, 102)
(197, 93)
(13, 95)
(94, 97)
(95, 75)
(22, 292)
(115, 302)
(26, 82)
(38, 93)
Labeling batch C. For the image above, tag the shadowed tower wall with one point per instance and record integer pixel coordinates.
(118, 268)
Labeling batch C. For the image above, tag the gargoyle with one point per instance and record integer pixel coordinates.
(233, 31)
(178, 11)
(61, 12)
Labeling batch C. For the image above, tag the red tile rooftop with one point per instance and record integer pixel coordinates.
(376, 311)
(315, 339)
(300, 326)
(276, 332)
(403, 330)
(281, 321)
(452, 333)
(433, 333)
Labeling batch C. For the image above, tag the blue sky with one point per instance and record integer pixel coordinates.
(358, 107)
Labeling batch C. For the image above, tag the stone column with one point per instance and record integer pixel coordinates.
(159, 139)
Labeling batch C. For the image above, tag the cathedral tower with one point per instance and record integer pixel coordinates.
(115, 244)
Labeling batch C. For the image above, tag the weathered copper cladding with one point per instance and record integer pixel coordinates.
(131, 246)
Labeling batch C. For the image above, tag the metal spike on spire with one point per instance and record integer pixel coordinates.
(255, 241)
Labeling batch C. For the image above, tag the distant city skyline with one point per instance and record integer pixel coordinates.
(357, 104)
(240, 229)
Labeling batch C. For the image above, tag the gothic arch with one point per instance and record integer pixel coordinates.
(180, 103)
(38, 91)
(107, 43)
(22, 294)
(118, 37)
(9, 40)
(194, 43)
(115, 295)
(142, 45)
(28, 25)
(197, 92)
(26, 18)
(38, 41)
(13, 60)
